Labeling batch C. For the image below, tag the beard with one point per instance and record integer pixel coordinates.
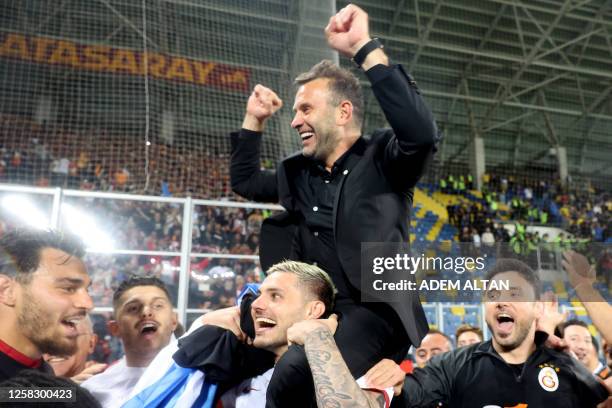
(42, 331)
(327, 140)
(325, 146)
(511, 342)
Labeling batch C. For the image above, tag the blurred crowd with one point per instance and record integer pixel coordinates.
(48, 155)
(148, 226)
(584, 212)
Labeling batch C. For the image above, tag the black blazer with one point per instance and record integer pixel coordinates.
(374, 198)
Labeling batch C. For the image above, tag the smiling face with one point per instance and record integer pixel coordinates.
(579, 340)
(144, 322)
(315, 119)
(511, 314)
(50, 306)
(280, 305)
(432, 345)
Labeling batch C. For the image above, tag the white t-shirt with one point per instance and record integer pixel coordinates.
(251, 393)
(113, 387)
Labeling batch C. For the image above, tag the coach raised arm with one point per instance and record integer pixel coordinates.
(340, 190)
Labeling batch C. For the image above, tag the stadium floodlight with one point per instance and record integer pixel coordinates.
(22, 208)
(85, 226)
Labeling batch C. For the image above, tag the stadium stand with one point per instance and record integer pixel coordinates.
(117, 127)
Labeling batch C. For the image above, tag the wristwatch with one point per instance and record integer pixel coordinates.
(364, 51)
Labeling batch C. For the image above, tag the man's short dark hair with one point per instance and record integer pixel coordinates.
(514, 265)
(342, 84)
(138, 280)
(560, 329)
(39, 379)
(595, 344)
(315, 279)
(20, 250)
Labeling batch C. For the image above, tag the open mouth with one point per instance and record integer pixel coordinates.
(70, 323)
(580, 355)
(306, 135)
(56, 359)
(263, 323)
(148, 328)
(505, 323)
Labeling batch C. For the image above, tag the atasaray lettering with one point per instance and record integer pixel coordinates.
(102, 58)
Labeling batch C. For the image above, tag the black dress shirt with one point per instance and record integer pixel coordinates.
(316, 193)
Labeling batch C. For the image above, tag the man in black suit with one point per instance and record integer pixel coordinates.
(342, 189)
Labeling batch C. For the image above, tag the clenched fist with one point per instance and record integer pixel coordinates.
(347, 31)
(262, 104)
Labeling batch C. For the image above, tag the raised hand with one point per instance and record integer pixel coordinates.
(551, 318)
(578, 269)
(262, 104)
(347, 31)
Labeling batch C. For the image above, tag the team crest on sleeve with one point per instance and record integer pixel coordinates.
(548, 378)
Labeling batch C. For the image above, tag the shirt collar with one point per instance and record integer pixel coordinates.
(342, 163)
(487, 346)
(19, 356)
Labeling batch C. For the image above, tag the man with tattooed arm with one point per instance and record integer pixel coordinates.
(293, 294)
(513, 369)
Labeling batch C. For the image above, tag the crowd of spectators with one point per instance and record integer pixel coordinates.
(149, 226)
(583, 212)
(53, 157)
(48, 155)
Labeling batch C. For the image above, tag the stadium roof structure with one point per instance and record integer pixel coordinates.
(525, 75)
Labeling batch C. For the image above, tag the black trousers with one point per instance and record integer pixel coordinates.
(367, 333)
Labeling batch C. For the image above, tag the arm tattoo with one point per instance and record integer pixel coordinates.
(335, 386)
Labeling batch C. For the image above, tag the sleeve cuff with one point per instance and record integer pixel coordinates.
(245, 133)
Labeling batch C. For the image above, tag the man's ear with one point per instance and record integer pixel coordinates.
(315, 309)
(113, 327)
(174, 321)
(93, 340)
(7, 290)
(345, 113)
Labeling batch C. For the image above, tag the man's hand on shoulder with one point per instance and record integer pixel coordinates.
(301, 331)
(228, 319)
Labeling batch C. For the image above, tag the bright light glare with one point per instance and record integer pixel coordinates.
(26, 211)
(84, 225)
